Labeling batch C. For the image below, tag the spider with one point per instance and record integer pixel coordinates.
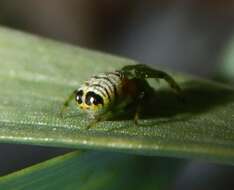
(107, 94)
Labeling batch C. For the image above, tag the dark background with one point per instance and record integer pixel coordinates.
(184, 35)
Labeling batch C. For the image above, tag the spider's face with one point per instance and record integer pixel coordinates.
(89, 101)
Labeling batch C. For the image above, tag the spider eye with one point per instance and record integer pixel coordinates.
(93, 98)
(79, 95)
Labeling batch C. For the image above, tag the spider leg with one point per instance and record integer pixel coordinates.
(143, 72)
(94, 122)
(100, 118)
(66, 103)
(138, 108)
(112, 112)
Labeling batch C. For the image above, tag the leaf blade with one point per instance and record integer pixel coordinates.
(94, 170)
(37, 74)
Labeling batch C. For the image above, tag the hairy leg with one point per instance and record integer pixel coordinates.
(138, 108)
(144, 72)
(99, 118)
(66, 103)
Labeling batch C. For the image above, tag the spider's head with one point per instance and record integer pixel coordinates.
(89, 101)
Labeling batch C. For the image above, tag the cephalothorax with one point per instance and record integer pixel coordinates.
(104, 95)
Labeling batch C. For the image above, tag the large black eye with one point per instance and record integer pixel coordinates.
(93, 98)
(79, 95)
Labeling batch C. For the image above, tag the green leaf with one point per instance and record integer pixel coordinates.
(37, 75)
(95, 171)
